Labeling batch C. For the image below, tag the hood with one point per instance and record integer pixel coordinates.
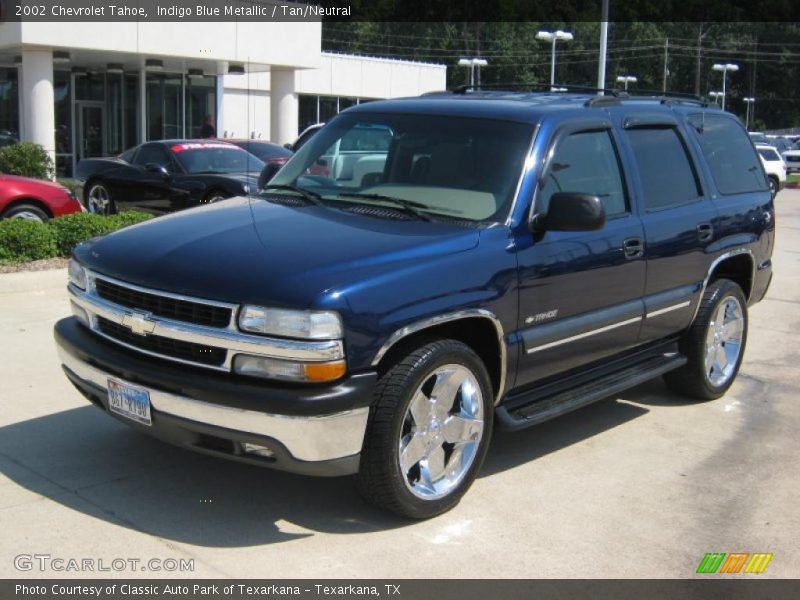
(29, 181)
(258, 252)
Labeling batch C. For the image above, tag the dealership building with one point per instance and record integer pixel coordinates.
(94, 89)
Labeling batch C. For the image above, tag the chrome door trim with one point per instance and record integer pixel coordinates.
(585, 334)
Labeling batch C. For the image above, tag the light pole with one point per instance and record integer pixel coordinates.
(725, 68)
(749, 102)
(626, 79)
(553, 37)
(472, 63)
(716, 96)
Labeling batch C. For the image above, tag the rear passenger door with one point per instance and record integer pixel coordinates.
(580, 293)
(679, 221)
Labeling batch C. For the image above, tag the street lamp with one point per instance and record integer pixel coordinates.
(749, 110)
(553, 36)
(472, 63)
(626, 79)
(725, 68)
(716, 96)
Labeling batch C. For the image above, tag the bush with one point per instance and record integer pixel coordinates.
(71, 230)
(26, 159)
(22, 240)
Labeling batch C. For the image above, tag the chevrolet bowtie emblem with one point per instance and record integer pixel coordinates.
(139, 323)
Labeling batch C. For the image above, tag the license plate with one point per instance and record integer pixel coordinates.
(129, 401)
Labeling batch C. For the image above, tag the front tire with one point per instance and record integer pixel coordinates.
(428, 431)
(27, 212)
(714, 344)
(773, 185)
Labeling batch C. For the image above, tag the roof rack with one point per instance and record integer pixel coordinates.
(463, 89)
(612, 95)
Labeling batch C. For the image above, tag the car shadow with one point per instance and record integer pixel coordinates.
(92, 464)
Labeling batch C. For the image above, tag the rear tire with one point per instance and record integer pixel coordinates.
(428, 430)
(714, 344)
(27, 212)
(98, 199)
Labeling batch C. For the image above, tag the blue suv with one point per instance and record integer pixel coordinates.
(423, 270)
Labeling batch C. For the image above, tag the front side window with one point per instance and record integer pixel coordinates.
(665, 170)
(585, 163)
(152, 154)
(730, 156)
(444, 166)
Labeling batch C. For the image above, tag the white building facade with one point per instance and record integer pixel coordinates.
(95, 89)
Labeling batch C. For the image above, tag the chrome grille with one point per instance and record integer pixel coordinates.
(167, 347)
(164, 306)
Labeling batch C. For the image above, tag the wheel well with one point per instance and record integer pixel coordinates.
(213, 191)
(88, 186)
(34, 202)
(737, 268)
(478, 333)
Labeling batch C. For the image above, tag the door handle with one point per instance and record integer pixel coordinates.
(705, 232)
(633, 247)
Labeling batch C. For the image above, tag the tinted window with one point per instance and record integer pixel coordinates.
(127, 156)
(587, 163)
(215, 157)
(263, 150)
(665, 172)
(152, 153)
(730, 156)
(768, 154)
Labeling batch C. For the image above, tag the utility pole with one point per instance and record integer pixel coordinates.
(601, 69)
(666, 66)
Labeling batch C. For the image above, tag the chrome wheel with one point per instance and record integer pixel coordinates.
(724, 341)
(442, 430)
(27, 215)
(98, 200)
(773, 186)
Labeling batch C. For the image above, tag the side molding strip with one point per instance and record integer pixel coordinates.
(585, 334)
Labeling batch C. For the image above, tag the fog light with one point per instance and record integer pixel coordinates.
(80, 314)
(256, 450)
(284, 370)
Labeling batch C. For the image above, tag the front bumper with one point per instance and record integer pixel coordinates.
(304, 429)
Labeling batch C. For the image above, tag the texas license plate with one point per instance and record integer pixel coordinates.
(129, 401)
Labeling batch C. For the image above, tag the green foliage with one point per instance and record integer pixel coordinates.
(27, 160)
(23, 240)
(71, 230)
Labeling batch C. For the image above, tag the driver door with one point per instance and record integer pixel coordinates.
(581, 292)
(151, 190)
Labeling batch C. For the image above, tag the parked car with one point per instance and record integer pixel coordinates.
(782, 144)
(514, 257)
(166, 176)
(34, 199)
(792, 159)
(774, 166)
(274, 165)
(266, 151)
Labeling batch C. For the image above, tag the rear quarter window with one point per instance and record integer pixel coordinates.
(730, 155)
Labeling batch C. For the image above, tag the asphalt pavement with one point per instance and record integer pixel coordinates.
(639, 485)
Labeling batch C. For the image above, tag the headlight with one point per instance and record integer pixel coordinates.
(77, 274)
(310, 325)
(271, 368)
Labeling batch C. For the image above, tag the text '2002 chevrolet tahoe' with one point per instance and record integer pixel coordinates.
(473, 259)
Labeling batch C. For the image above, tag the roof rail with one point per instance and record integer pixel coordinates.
(463, 89)
(666, 97)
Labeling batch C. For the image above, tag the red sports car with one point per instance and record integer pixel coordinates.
(34, 199)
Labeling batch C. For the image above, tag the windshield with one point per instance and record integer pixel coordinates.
(446, 167)
(215, 158)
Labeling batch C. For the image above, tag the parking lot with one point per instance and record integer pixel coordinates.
(639, 485)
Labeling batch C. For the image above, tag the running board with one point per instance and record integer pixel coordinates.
(536, 407)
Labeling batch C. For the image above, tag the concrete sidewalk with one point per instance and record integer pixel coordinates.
(641, 485)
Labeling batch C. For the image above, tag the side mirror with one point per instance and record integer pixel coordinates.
(288, 146)
(156, 168)
(570, 211)
(267, 173)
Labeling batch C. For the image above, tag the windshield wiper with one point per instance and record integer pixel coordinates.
(407, 206)
(312, 197)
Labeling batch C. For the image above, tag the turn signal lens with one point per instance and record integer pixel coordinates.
(328, 371)
(284, 370)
